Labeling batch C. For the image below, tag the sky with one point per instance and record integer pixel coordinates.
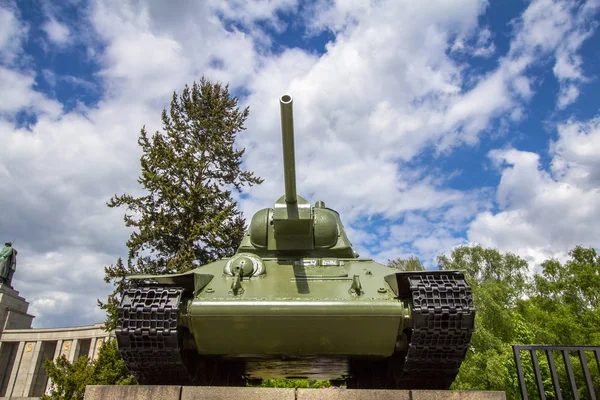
(426, 124)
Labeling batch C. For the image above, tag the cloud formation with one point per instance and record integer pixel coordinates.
(57, 33)
(399, 88)
(546, 213)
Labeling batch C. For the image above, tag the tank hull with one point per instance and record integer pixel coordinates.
(295, 310)
(295, 328)
(300, 318)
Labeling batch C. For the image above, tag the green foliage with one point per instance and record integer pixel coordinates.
(558, 305)
(490, 267)
(70, 379)
(574, 284)
(109, 367)
(188, 215)
(411, 263)
(294, 383)
(499, 282)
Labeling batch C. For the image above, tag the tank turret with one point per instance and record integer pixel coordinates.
(292, 226)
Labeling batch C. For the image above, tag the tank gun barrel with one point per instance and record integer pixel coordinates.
(287, 136)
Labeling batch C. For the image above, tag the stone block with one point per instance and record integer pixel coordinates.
(141, 392)
(19, 398)
(252, 393)
(13, 310)
(456, 395)
(226, 393)
(352, 394)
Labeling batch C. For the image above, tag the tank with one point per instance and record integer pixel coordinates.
(297, 302)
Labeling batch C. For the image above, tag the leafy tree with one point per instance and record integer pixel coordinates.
(109, 367)
(576, 283)
(70, 379)
(556, 306)
(499, 282)
(295, 383)
(188, 215)
(485, 266)
(565, 300)
(411, 263)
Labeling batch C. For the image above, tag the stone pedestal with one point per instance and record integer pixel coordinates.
(252, 393)
(13, 310)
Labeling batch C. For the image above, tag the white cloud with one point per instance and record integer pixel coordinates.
(22, 95)
(480, 46)
(387, 89)
(12, 32)
(65, 283)
(546, 28)
(58, 33)
(153, 49)
(383, 92)
(16, 80)
(545, 214)
(248, 13)
(60, 174)
(567, 94)
(575, 153)
(62, 170)
(577, 23)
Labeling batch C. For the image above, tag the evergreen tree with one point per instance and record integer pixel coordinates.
(188, 216)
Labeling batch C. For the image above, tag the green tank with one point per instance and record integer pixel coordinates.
(296, 301)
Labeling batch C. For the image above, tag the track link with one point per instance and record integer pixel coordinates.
(148, 337)
(443, 321)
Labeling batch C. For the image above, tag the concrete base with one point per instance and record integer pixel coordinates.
(13, 310)
(19, 398)
(252, 393)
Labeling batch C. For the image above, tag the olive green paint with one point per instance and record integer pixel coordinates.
(295, 292)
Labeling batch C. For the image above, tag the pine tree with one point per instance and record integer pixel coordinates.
(188, 216)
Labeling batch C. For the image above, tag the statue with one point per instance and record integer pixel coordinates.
(8, 264)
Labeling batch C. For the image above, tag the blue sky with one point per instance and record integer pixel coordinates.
(427, 125)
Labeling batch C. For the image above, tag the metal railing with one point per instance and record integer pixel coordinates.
(565, 352)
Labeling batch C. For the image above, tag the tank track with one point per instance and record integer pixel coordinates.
(148, 337)
(443, 321)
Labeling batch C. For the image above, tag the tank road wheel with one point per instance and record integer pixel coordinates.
(148, 336)
(443, 319)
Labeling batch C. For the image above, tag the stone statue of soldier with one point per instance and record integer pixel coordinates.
(8, 264)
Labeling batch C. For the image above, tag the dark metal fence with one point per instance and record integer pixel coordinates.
(565, 353)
